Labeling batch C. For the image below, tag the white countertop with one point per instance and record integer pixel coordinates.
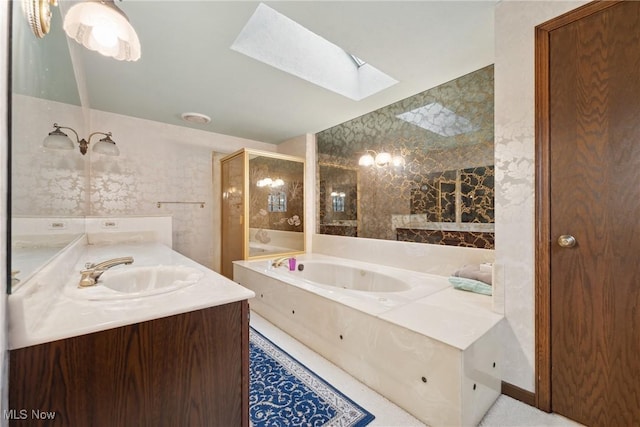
(454, 317)
(42, 311)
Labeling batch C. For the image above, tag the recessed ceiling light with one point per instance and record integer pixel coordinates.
(198, 118)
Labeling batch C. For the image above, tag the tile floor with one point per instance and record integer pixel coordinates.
(506, 412)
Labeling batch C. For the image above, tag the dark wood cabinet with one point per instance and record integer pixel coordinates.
(189, 369)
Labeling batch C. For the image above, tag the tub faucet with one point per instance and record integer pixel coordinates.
(92, 272)
(279, 261)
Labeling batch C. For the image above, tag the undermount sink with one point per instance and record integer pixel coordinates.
(136, 282)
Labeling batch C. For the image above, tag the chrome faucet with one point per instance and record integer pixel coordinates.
(92, 272)
(279, 261)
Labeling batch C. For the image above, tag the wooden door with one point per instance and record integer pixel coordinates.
(594, 202)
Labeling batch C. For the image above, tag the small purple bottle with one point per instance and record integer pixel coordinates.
(292, 264)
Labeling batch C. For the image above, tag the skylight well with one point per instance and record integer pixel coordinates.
(439, 119)
(280, 42)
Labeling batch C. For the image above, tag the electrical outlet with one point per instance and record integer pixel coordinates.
(57, 225)
(109, 224)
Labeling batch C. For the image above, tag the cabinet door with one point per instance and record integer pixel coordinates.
(185, 370)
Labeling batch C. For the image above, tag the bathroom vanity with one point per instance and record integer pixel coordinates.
(187, 369)
(137, 349)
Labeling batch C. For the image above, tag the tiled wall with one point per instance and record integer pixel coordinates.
(46, 182)
(160, 162)
(157, 163)
(469, 239)
(447, 169)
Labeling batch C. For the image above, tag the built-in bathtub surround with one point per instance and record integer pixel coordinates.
(430, 155)
(433, 350)
(433, 259)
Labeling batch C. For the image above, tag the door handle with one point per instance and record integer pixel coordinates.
(566, 241)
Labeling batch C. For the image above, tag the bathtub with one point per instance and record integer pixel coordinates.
(431, 349)
(334, 275)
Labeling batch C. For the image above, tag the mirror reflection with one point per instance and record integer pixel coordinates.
(420, 170)
(45, 183)
(338, 200)
(276, 205)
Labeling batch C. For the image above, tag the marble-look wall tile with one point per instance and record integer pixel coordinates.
(164, 163)
(46, 182)
(158, 162)
(303, 146)
(515, 179)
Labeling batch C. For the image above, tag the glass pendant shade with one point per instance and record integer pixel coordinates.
(101, 26)
(58, 140)
(107, 147)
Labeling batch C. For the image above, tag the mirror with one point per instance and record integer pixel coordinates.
(418, 170)
(43, 184)
(338, 200)
(276, 204)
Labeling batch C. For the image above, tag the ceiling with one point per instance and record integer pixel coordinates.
(187, 64)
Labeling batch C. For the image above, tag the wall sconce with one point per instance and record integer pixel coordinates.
(38, 14)
(98, 25)
(59, 140)
(101, 26)
(380, 159)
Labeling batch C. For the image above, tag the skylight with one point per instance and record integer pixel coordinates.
(280, 42)
(438, 119)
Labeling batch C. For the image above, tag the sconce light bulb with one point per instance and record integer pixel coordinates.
(366, 160)
(397, 161)
(101, 26)
(105, 32)
(382, 159)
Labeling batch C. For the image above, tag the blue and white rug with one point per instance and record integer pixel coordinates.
(284, 392)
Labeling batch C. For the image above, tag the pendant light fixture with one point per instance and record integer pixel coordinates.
(101, 26)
